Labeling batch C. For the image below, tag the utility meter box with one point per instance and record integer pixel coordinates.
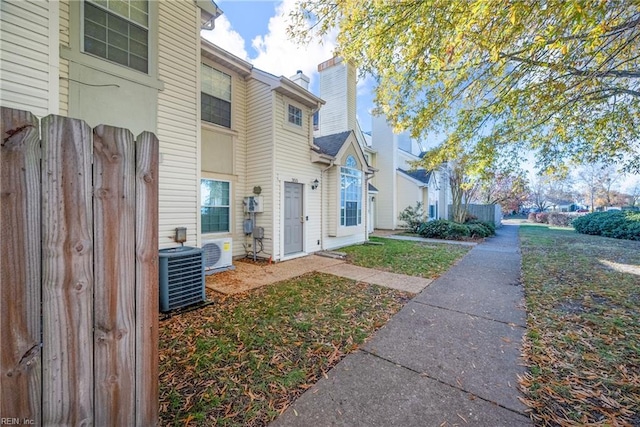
(253, 204)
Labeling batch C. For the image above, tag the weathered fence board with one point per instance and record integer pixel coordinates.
(79, 273)
(67, 272)
(20, 356)
(147, 153)
(114, 293)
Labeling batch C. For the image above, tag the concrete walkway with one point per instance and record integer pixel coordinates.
(401, 282)
(449, 357)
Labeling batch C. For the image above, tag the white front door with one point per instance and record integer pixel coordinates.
(371, 223)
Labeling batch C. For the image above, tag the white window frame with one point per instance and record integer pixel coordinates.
(202, 205)
(295, 116)
(230, 100)
(130, 21)
(349, 170)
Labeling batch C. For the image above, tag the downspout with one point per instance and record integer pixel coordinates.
(365, 206)
(322, 204)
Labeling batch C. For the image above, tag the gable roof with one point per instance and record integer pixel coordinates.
(421, 175)
(331, 144)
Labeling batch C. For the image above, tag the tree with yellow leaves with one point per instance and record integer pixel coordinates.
(559, 77)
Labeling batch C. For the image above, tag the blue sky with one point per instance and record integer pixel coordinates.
(256, 31)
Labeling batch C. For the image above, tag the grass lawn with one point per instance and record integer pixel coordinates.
(428, 260)
(244, 359)
(583, 340)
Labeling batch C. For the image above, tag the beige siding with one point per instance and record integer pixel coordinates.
(292, 164)
(29, 56)
(331, 194)
(336, 236)
(239, 123)
(408, 193)
(234, 168)
(260, 153)
(178, 121)
(384, 142)
(350, 89)
(64, 64)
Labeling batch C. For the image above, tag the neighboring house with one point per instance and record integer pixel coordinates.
(131, 64)
(399, 184)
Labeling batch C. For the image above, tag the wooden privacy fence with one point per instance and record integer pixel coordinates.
(488, 213)
(78, 273)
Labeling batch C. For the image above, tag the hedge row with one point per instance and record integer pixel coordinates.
(443, 229)
(616, 224)
(553, 218)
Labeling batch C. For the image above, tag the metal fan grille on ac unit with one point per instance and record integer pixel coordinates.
(212, 254)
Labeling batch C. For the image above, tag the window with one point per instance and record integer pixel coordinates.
(433, 211)
(118, 30)
(350, 193)
(295, 115)
(214, 210)
(316, 120)
(216, 97)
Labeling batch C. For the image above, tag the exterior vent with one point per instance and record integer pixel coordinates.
(217, 255)
(181, 277)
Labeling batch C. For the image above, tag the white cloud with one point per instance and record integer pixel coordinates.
(279, 55)
(224, 36)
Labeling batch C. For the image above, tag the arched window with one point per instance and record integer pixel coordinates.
(350, 193)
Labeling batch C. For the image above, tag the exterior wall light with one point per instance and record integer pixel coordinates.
(315, 184)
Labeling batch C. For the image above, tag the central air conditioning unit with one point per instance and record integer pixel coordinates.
(181, 277)
(217, 255)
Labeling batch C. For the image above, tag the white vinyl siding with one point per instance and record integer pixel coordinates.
(64, 63)
(260, 153)
(29, 51)
(178, 121)
(293, 164)
(408, 193)
(338, 89)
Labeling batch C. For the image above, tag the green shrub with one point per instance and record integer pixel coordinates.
(450, 230)
(489, 227)
(559, 219)
(434, 229)
(458, 231)
(478, 231)
(616, 224)
(413, 217)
